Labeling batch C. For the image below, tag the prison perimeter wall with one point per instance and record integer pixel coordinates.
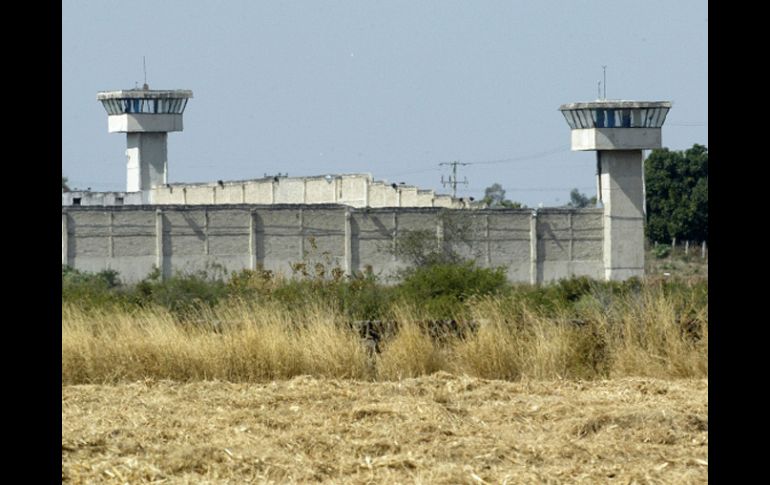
(534, 246)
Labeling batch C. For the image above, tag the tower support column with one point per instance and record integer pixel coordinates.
(623, 200)
(147, 162)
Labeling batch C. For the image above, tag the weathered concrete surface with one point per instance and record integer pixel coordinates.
(144, 94)
(616, 139)
(147, 164)
(615, 104)
(133, 239)
(144, 123)
(355, 190)
(88, 198)
(623, 198)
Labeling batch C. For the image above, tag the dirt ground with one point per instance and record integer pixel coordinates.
(436, 429)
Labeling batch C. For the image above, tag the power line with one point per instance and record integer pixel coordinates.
(391, 174)
(523, 158)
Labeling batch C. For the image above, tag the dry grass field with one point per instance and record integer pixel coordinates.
(440, 428)
(608, 390)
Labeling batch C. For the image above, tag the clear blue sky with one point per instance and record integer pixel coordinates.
(387, 87)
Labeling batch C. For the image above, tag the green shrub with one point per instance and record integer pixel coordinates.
(181, 294)
(90, 289)
(363, 298)
(249, 283)
(661, 251)
(571, 289)
(441, 289)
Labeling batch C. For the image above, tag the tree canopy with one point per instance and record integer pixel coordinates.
(578, 200)
(494, 197)
(64, 186)
(676, 184)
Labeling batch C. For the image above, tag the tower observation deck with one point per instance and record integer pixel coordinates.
(146, 116)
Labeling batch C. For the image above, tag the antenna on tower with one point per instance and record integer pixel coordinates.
(604, 70)
(598, 90)
(144, 66)
(452, 181)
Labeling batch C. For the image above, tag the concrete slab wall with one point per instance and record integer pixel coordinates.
(88, 198)
(354, 190)
(533, 246)
(381, 195)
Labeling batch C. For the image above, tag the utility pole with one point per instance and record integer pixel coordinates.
(452, 181)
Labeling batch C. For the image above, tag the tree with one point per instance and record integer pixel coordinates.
(422, 248)
(676, 183)
(494, 197)
(578, 200)
(64, 186)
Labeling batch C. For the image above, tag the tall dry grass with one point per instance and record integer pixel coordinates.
(237, 343)
(529, 345)
(652, 336)
(411, 352)
(647, 334)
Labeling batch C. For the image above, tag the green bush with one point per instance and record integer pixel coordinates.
(90, 289)
(363, 298)
(571, 289)
(358, 297)
(661, 251)
(441, 289)
(438, 291)
(182, 293)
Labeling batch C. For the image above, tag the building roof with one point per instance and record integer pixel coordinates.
(144, 94)
(615, 103)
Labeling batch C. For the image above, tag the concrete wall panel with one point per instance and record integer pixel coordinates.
(210, 237)
(126, 246)
(290, 191)
(89, 246)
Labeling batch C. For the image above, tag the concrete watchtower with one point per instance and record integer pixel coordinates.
(146, 116)
(618, 131)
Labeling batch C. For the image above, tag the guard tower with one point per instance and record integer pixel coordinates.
(146, 116)
(618, 131)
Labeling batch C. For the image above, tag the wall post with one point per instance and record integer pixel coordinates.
(301, 235)
(395, 235)
(533, 248)
(252, 240)
(488, 243)
(571, 257)
(110, 236)
(206, 231)
(159, 249)
(348, 244)
(65, 250)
